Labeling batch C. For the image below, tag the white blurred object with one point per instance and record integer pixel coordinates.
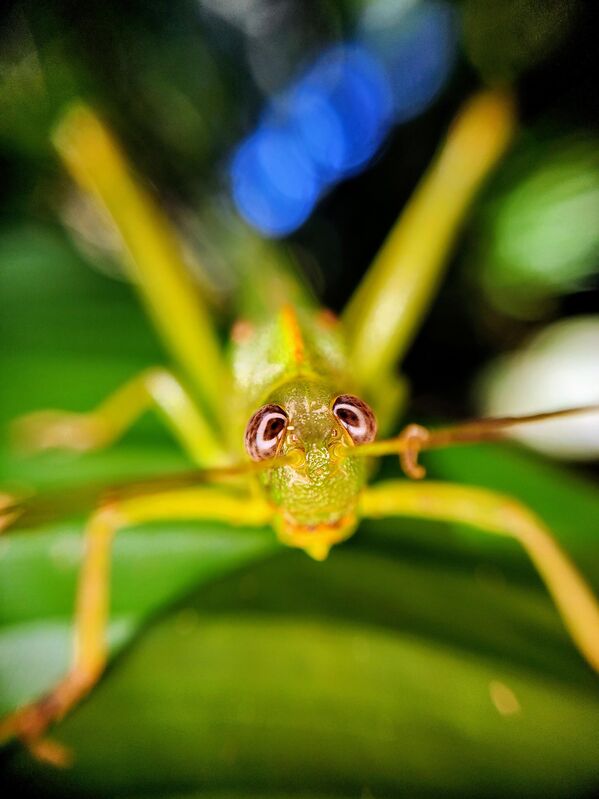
(558, 369)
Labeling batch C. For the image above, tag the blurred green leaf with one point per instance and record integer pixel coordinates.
(235, 694)
(153, 565)
(539, 238)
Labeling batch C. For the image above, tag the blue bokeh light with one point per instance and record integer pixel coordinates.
(341, 110)
(332, 120)
(417, 48)
(274, 187)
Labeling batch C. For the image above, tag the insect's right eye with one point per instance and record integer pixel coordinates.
(357, 417)
(264, 432)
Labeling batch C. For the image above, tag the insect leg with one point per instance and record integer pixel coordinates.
(155, 388)
(154, 257)
(29, 723)
(502, 515)
(383, 315)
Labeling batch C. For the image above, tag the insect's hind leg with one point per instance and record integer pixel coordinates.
(154, 388)
(30, 723)
(496, 513)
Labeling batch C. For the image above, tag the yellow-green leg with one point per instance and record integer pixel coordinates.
(155, 388)
(496, 513)
(29, 723)
(388, 306)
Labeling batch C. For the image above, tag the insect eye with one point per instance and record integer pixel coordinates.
(264, 432)
(357, 418)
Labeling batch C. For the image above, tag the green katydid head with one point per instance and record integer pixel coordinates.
(316, 493)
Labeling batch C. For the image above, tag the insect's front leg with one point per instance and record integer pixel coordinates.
(30, 723)
(155, 388)
(498, 514)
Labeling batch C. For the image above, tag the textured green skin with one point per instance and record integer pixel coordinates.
(264, 358)
(325, 488)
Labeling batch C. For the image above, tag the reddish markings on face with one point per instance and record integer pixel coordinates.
(327, 319)
(303, 531)
(242, 331)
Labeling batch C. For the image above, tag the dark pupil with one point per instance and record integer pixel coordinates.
(273, 427)
(348, 417)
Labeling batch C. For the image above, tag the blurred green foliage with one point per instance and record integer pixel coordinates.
(540, 239)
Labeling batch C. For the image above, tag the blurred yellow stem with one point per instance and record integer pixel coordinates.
(386, 309)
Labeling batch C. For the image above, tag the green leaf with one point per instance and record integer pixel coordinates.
(250, 690)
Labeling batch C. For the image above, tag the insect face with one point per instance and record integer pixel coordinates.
(316, 495)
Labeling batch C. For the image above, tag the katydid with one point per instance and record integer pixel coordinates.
(285, 429)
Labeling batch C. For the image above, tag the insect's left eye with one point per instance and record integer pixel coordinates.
(264, 432)
(357, 417)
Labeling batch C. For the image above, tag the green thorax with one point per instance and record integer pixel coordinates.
(292, 345)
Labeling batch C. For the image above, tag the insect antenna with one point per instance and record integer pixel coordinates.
(415, 438)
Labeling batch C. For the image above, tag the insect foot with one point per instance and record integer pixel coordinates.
(28, 724)
(413, 438)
